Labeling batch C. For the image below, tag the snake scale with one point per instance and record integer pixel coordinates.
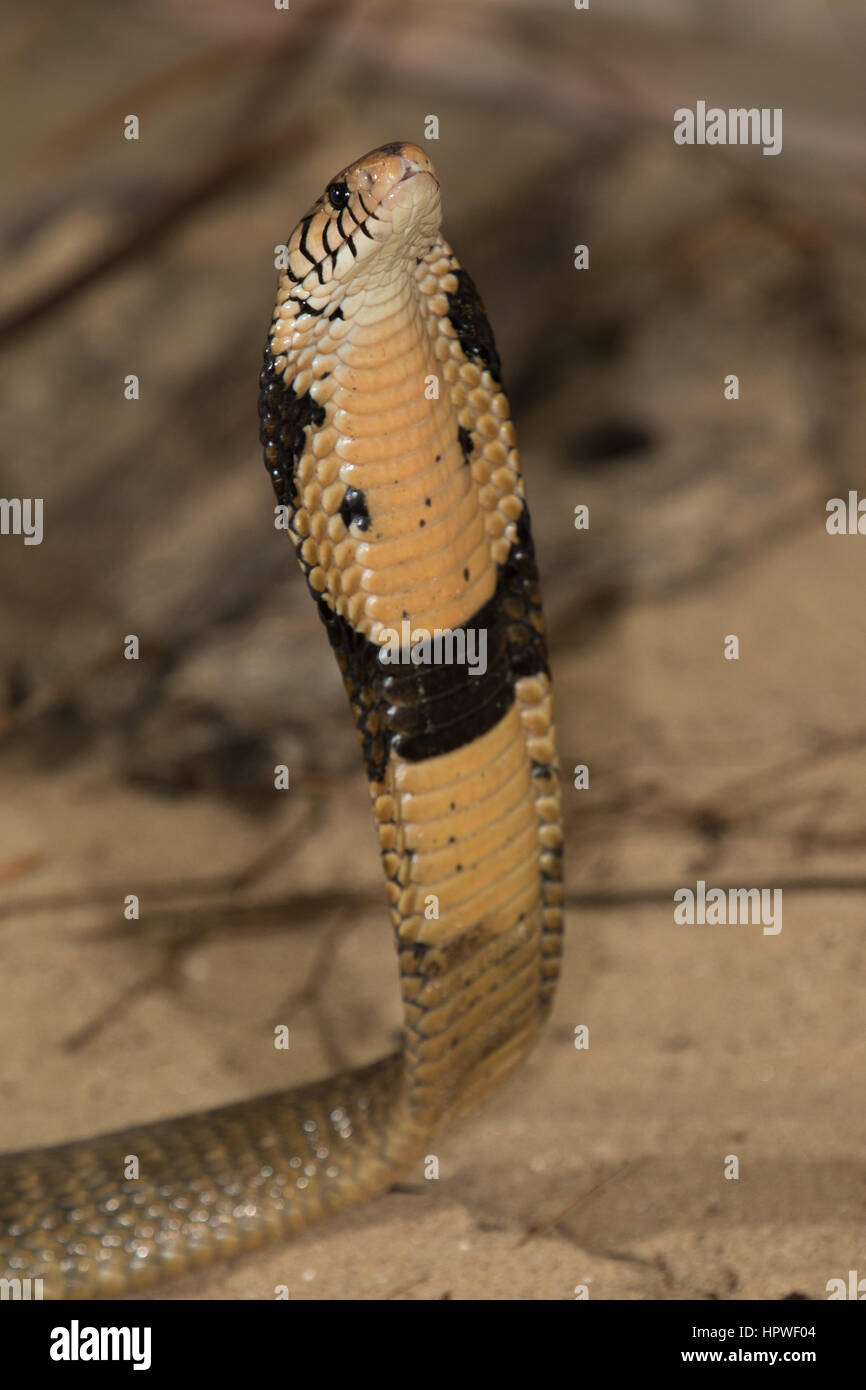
(391, 450)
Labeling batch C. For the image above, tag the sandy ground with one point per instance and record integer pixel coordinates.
(704, 1041)
(601, 1167)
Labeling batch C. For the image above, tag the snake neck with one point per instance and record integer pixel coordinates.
(411, 526)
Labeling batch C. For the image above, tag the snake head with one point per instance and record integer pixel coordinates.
(383, 208)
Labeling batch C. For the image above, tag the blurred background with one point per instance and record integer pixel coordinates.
(707, 518)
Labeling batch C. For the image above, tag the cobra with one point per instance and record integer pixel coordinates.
(390, 446)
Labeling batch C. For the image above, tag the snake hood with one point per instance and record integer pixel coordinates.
(374, 216)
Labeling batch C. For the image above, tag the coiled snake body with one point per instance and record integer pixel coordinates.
(388, 440)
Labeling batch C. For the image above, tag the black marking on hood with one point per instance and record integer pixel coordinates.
(354, 508)
(470, 323)
(283, 421)
(422, 710)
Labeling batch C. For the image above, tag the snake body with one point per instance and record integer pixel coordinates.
(389, 443)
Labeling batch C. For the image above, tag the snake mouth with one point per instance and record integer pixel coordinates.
(416, 163)
(416, 174)
(412, 187)
(409, 174)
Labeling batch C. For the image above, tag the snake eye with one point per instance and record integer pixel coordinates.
(338, 194)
